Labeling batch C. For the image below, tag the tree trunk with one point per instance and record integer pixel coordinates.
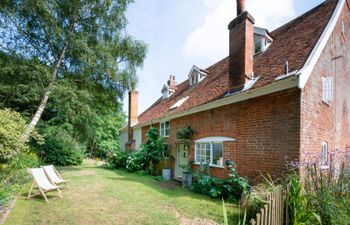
(43, 102)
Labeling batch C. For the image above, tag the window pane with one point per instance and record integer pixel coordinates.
(203, 153)
(324, 154)
(217, 154)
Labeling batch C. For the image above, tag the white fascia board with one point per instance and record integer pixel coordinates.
(321, 44)
(276, 86)
(214, 139)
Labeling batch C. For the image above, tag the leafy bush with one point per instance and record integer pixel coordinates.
(118, 159)
(322, 197)
(152, 151)
(185, 133)
(14, 174)
(329, 193)
(230, 188)
(12, 126)
(149, 153)
(135, 161)
(61, 148)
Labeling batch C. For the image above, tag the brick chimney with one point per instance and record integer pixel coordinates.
(133, 113)
(241, 47)
(172, 82)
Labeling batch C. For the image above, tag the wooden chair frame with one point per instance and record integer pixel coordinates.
(41, 190)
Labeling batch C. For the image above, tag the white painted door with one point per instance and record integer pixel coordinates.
(181, 159)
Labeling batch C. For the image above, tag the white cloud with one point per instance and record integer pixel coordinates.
(209, 42)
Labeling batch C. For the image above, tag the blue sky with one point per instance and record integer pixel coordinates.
(182, 33)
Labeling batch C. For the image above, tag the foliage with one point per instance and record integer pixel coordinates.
(61, 148)
(12, 126)
(94, 33)
(187, 167)
(185, 133)
(235, 184)
(329, 193)
(153, 149)
(118, 159)
(298, 203)
(22, 82)
(84, 39)
(322, 198)
(230, 188)
(86, 109)
(14, 174)
(135, 161)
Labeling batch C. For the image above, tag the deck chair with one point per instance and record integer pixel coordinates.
(54, 176)
(43, 183)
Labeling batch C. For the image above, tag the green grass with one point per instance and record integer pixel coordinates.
(101, 196)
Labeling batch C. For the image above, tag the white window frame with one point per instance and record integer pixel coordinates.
(324, 156)
(327, 89)
(211, 141)
(163, 129)
(196, 75)
(211, 144)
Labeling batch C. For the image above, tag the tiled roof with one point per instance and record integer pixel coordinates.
(293, 41)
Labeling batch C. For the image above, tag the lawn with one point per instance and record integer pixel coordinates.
(100, 196)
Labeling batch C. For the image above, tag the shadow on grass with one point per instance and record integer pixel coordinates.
(51, 196)
(176, 192)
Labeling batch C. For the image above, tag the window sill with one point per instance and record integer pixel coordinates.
(211, 165)
(326, 103)
(324, 167)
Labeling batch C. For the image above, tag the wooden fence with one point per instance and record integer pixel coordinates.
(274, 211)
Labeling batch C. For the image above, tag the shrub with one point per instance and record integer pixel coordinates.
(185, 133)
(12, 126)
(14, 174)
(152, 151)
(135, 161)
(323, 197)
(118, 159)
(329, 193)
(230, 188)
(61, 148)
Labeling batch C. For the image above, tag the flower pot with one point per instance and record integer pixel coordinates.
(166, 174)
(186, 179)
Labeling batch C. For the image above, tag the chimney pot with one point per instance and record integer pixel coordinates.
(172, 82)
(240, 7)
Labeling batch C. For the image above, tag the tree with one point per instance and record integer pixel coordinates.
(85, 110)
(11, 127)
(85, 37)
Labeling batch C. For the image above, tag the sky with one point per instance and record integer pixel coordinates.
(183, 33)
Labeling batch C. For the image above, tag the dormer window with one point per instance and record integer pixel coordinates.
(167, 92)
(196, 75)
(169, 88)
(262, 40)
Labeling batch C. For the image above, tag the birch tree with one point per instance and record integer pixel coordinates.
(72, 36)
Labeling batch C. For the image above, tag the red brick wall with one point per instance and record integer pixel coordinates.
(320, 121)
(266, 130)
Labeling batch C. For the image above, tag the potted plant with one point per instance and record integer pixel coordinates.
(185, 134)
(187, 174)
(166, 172)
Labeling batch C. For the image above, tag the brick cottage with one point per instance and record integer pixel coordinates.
(279, 96)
